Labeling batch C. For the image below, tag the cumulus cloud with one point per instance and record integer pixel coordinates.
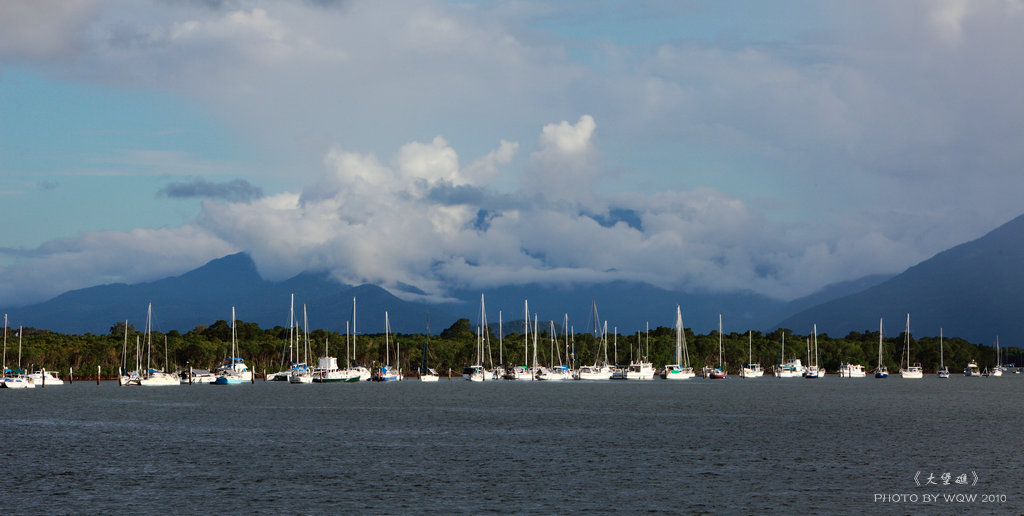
(238, 190)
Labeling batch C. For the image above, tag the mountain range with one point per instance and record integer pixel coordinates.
(971, 290)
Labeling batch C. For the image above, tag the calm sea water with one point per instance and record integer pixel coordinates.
(743, 446)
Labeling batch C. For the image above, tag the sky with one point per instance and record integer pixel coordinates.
(424, 146)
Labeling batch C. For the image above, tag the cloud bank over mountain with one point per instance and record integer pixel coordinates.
(430, 145)
(421, 224)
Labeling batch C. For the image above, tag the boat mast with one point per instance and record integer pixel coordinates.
(387, 343)
(679, 335)
(501, 351)
(234, 350)
(124, 351)
(604, 342)
(816, 346)
(879, 343)
(149, 339)
(305, 336)
(719, 342)
(534, 340)
(942, 362)
(907, 338)
(526, 333)
(426, 338)
(353, 328)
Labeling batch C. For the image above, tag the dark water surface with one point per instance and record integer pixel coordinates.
(742, 446)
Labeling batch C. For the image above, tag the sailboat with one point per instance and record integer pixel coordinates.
(301, 372)
(813, 371)
(997, 370)
(641, 369)
(477, 372)
(426, 374)
(751, 370)
(282, 375)
(523, 372)
(943, 371)
(556, 372)
(790, 369)
(15, 380)
(881, 371)
(387, 372)
(717, 373)
(680, 370)
(355, 373)
(154, 377)
(233, 371)
(911, 371)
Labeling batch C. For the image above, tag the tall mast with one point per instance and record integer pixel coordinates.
(719, 341)
(234, 351)
(501, 354)
(20, 332)
(679, 335)
(387, 344)
(604, 341)
(124, 352)
(149, 339)
(526, 333)
(942, 363)
(879, 342)
(535, 340)
(816, 346)
(907, 338)
(353, 327)
(305, 336)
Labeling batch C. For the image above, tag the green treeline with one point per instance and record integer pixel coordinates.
(206, 346)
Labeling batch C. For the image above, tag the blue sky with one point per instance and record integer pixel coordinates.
(776, 147)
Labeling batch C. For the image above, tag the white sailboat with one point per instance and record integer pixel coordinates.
(354, 372)
(680, 370)
(233, 371)
(388, 372)
(791, 369)
(288, 350)
(881, 371)
(301, 373)
(813, 370)
(717, 373)
(555, 372)
(911, 371)
(998, 369)
(943, 371)
(151, 377)
(16, 379)
(523, 372)
(751, 370)
(477, 372)
(641, 369)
